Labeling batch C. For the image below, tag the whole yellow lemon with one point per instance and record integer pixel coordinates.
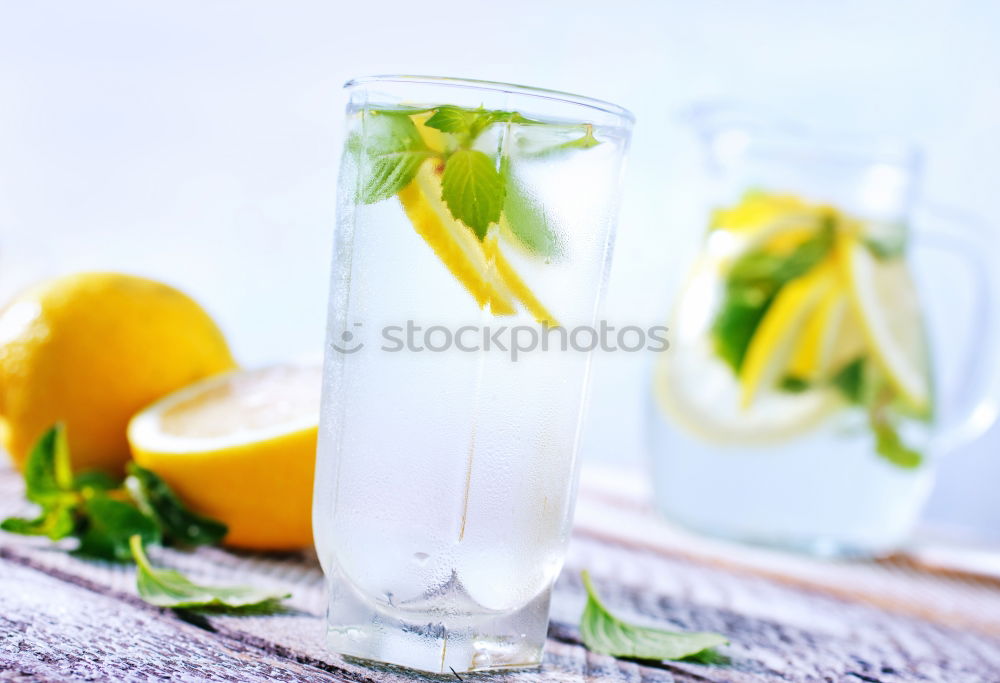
(90, 350)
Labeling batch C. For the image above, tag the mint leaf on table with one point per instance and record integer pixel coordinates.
(389, 154)
(604, 633)
(525, 217)
(56, 523)
(48, 479)
(177, 522)
(170, 588)
(107, 526)
(95, 480)
(473, 189)
(48, 475)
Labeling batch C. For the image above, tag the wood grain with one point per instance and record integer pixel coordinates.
(63, 618)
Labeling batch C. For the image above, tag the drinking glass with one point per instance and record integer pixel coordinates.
(473, 218)
(833, 339)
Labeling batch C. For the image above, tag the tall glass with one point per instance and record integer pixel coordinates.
(816, 371)
(474, 221)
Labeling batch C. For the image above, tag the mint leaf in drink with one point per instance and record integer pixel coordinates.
(771, 270)
(472, 188)
(500, 116)
(751, 285)
(604, 633)
(525, 217)
(850, 380)
(793, 385)
(737, 320)
(389, 150)
(469, 123)
(585, 141)
(450, 119)
(890, 445)
(170, 588)
(178, 524)
(107, 526)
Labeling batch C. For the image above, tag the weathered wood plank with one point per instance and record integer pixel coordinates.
(57, 608)
(56, 631)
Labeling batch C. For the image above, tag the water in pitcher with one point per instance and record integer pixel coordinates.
(796, 399)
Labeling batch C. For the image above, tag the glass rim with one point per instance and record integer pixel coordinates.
(498, 86)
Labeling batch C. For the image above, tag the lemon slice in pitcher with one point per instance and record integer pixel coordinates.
(699, 392)
(830, 339)
(885, 299)
(780, 331)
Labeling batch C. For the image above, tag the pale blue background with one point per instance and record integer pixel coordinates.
(195, 141)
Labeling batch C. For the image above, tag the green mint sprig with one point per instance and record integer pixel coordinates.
(473, 189)
(178, 524)
(107, 517)
(392, 154)
(751, 286)
(100, 513)
(604, 633)
(478, 190)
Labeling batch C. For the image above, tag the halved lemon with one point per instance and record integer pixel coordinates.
(885, 300)
(239, 447)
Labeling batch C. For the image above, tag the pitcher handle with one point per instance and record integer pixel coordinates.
(975, 396)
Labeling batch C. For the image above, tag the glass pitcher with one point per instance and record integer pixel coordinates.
(829, 344)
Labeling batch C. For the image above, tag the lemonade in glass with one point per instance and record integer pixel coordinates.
(445, 475)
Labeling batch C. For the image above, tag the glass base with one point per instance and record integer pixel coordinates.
(435, 640)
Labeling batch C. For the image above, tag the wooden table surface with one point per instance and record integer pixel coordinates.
(917, 617)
